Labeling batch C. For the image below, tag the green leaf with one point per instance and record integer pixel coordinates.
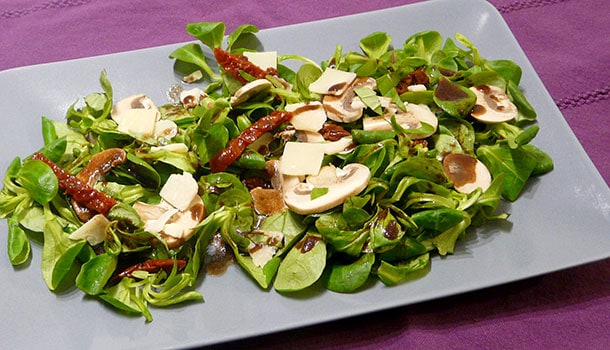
(454, 99)
(375, 44)
(59, 253)
(123, 296)
(18, 246)
(192, 53)
(239, 31)
(370, 99)
(445, 241)
(391, 274)
(318, 192)
(347, 278)
(302, 266)
(209, 33)
(437, 219)
(95, 273)
(39, 179)
(516, 164)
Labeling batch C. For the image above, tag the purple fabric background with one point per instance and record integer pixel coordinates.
(567, 42)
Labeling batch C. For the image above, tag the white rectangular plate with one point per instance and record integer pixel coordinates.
(562, 219)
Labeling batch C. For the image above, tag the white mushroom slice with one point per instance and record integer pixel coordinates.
(351, 180)
(338, 146)
(193, 77)
(347, 107)
(417, 87)
(386, 102)
(327, 176)
(165, 129)
(308, 116)
(466, 173)
(250, 90)
(139, 101)
(173, 225)
(157, 224)
(332, 81)
(309, 136)
(493, 105)
(330, 147)
(181, 224)
(264, 60)
(423, 113)
(411, 119)
(172, 147)
(300, 158)
(93, 230)
(179, 190)
(191, 98)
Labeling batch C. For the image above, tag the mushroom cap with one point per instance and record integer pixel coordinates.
(250, 90)
(175, 226)
(493, 105)
(341, 184)
(347, 107)
(139, 101)
(415, 115)
(191, 98)
(467, 173)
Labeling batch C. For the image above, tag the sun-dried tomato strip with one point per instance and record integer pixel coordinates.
(78, 190)
(233, 63)
(151, 265)
(417, 76)
(237, 145)
(333, 132)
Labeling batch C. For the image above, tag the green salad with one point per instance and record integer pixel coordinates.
(333, 173)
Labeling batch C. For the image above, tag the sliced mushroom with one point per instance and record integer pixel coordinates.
(139, 101)
(466, 173)
(193, 77)
(136, 116)
(172, 147)
(341, 184)
(412, 118)
(347, 107)
(493, 105)
(165, 129)
(173, 225)
(417, 87)
(278, 180)
(180, 227)
(191, 98)
(250, 90)
(309, 136)
(180, 210)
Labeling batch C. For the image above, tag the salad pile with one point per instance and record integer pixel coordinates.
(337, 173)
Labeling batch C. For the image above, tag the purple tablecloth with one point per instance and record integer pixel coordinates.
(567, 42)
